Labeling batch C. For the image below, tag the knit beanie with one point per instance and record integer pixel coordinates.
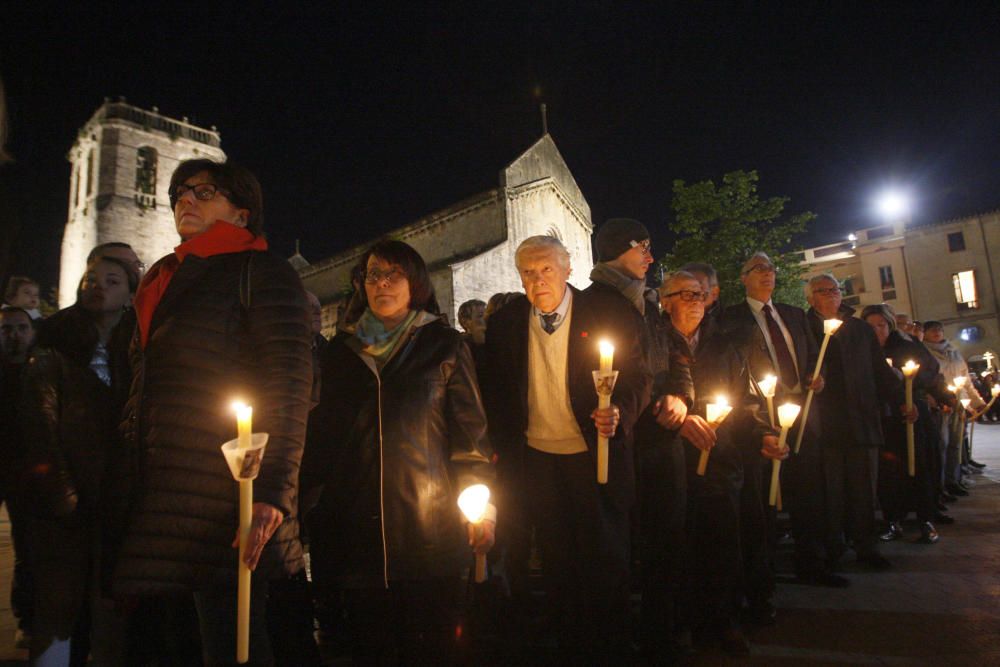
(616, 236)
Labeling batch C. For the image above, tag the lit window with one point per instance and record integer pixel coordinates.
(965, 289)
(885, 275)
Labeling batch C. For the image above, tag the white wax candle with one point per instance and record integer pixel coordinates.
(472, 501)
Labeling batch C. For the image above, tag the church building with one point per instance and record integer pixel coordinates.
(469, 246)
(121, 165)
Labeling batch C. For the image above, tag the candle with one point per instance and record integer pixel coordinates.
(909, 371)
(965, 403)
(787, 415)
(951, 388)
(715, 414)
(829, 328)
(888, 360)
(960, 381)
(244, 415)
(604, 401)
(767, 387)
(995, 390)
(472, 501)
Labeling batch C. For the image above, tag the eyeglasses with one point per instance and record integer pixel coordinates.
(375, 276)
(827, 291)
(645, 245)
(761, 268)
(202, 192)
(689, 295)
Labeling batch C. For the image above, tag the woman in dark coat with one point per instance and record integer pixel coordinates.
(74, 389)
(218, 319)
(399, 432)
(898, 493)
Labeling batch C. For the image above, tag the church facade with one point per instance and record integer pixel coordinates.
(469, 246)
(121, 164)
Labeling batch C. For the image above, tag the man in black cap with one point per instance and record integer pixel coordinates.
(624, 258)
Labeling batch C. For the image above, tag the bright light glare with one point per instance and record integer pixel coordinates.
(472, 501)
(893, 204)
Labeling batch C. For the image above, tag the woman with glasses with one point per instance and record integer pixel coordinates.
(399, 432)
(74, 389)
(219, 319)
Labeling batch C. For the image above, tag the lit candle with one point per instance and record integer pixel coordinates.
(995, 390)
(604, 401)
(960, 381)
(767, 387)
(888, 360)
(951, 388)
(244, 415)
(472, 501)
(787, 414)
(909, 372)
(715, 414)
(829, 328)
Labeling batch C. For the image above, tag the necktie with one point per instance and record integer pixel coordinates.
(549, 322)
(786, 367)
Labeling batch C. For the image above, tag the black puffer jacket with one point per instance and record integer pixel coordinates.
(392, 451)
(228, 326)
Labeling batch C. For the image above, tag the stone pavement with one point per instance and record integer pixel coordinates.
(938, 605)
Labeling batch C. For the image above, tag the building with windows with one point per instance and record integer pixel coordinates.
(469, 246)
(944, 271)
(121, 164)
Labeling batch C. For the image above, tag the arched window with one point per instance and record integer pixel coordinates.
(145, 177)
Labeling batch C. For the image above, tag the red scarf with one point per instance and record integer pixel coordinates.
(222, 238)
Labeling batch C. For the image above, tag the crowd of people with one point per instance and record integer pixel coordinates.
(124, 512)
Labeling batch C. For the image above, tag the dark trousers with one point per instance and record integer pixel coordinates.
(898, 493)
(803, 487)
(715, 560)
(584, 542)
(757, 530)
(21, 587)
(850, 499)
(663, 512)
(217, 622)
(410, 623)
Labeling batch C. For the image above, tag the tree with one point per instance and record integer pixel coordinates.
(724, 224)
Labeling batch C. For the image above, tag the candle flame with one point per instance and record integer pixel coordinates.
(888, 360)
(995, 390)
(952, 388)
(910, 368)
(473, 500)
(965, 402)
(960, 381)
(241, 409)
(787, 414)
(607, 349)
(768, 385)
(830, 326)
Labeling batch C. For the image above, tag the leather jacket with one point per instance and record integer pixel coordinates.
(392, 449)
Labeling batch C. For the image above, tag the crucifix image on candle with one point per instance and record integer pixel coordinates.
(910, 369)
(715, 414)
(787, 414)
(472, 501)
(829, 328)
(243, 456)
(604, 383)
(767, 387)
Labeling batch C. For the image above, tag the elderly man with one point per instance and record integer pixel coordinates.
(778, 340)
(709, 279)
(713, 521)
(540, 352)
(624, 257)
(858, 381)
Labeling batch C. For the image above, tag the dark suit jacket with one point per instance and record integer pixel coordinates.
(739, 323)
(858, 383)
(505, 382)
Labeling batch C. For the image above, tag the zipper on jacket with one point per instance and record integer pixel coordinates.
(381, 492)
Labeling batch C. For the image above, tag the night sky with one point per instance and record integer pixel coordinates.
(358, 120)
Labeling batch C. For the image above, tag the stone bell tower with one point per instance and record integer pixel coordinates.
(121, 164)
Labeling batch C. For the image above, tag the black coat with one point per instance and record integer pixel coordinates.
(595, 315)
(858, 382)
(228, 326)
(392, 450)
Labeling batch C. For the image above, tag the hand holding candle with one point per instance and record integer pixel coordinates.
(767, 387)
(787, 414)
(472, 501)
(829, 328)
(910, 369)
(604, 383)
(715, 414)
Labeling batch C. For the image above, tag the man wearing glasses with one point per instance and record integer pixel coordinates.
(713, 515)
(624, 258)
(858, 383)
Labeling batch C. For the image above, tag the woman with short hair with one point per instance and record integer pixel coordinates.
(399, 432)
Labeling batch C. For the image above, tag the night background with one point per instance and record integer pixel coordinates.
(360, 119)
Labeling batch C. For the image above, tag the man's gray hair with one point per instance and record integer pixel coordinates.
(704, 269)
(542, 242)
(760, 254)
(674, 277)
(817, 279)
